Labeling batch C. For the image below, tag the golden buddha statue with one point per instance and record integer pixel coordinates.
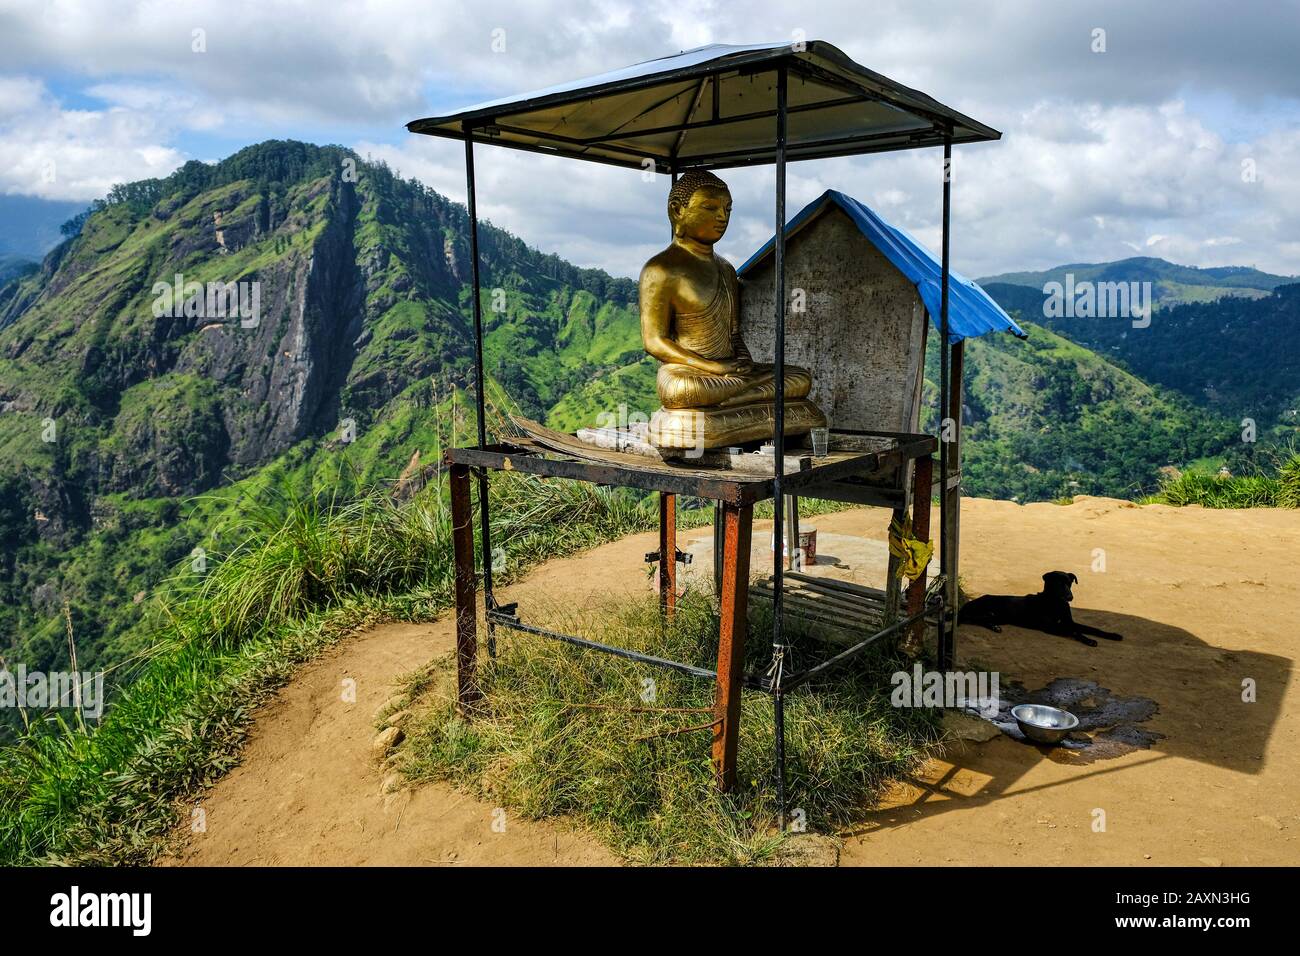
(713, 393)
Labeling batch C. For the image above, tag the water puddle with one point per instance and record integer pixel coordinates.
(1107, 722)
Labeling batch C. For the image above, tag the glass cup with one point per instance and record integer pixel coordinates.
(821, 437)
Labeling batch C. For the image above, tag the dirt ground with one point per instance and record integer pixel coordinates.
(1206, 600)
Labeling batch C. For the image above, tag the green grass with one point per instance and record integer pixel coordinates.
(570, 733)
(1280, 489)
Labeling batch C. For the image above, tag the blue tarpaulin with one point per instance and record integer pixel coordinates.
(971, 311)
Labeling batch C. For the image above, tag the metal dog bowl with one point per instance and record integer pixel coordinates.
(1043, 724)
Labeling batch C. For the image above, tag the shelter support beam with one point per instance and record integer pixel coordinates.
(667, 554)
(480, 383)
(793, 558)
(737, 527)
(952, 490)
(778, 441)
(468, 694)
(946, 565)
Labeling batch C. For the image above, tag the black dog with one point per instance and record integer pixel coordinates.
(1047, 611)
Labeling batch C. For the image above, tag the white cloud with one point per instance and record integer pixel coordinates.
(1101, 151)
(56, 153)
(1101, 183)
(394, 60)
(19, 94)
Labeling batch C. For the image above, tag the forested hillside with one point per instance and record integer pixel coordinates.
(1238, 356)
(129, 439)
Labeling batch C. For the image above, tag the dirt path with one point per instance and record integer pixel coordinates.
(307, 791)
(1206, 600)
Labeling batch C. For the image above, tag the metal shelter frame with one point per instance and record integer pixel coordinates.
(923, 123)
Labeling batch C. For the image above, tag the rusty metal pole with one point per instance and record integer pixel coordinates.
(737, 528)
(667, 554)
(466, 588)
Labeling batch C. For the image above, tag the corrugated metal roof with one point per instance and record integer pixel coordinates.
(971, 311)
(715, 107)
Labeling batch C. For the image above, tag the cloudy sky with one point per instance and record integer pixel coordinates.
(1179, 140)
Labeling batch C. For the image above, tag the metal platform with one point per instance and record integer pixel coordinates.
(736, 491)
(843, 469)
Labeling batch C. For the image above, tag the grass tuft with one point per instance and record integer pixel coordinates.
(1278, 490)
(581, 735)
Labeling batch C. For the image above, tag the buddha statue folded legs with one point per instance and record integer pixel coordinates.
(710, 411)
(713, 393)
(681, 386)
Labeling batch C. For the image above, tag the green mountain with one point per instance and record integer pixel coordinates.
(13, 268)
(29, 226)
(133, 429)
(1236, 356)
(1170, 283)
(1045, 418)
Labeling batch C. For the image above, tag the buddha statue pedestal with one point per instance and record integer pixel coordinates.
(687, 429)
(713, 393)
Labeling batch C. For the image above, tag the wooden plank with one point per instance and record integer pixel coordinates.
(853, 618)
(842, 599)
(797, 606)
(852, 442)
(835, 468)
(713, 463)
(618, 439)
(715, 485)
(565, 457)
(751, 463)
(829, 602)
(853, 493)
(869, 601)
(828, 629)
(571, 445)
(851, 587)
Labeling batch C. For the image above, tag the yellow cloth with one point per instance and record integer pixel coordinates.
(913, 554)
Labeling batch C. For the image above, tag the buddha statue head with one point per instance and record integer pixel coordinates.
(699, 207)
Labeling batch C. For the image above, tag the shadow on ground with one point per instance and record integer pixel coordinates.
(1162, 690)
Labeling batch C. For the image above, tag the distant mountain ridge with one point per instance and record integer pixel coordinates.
(14, 267)
(29, 225)
(1238, 355)
(1171, 283)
